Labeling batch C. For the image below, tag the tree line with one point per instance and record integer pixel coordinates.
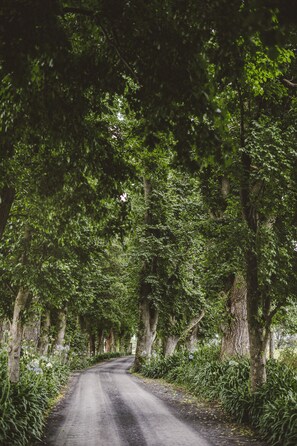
(148, 172)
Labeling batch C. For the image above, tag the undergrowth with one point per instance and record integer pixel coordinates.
(272, 410)
(23, 405)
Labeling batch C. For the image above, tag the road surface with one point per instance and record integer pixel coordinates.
(107, 406)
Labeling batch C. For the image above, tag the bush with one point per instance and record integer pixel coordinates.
(271, 410)
(23, 405)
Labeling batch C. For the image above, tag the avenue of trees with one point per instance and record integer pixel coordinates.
(148, 175)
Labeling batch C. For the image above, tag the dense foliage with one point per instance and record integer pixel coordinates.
(271, 410)
(148, 180)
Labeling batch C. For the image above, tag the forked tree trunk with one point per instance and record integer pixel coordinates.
(16, 330)
(235, 340)
(192, 340)
(170, 345)
(43, 344)
(61, 328)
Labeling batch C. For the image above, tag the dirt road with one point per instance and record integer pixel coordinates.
(106, 406)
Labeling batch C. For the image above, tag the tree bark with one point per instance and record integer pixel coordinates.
(92, 344)
(61, 328)
(16, 330)
(255, 301)
(7, 195)
(43, 343)
(109, 343)
(100, 345)
(146, 332)
(235, 340)
(271, 344)
(192, 339)
(17, 325)
(170, 345)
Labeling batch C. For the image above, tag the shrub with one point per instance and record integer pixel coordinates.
(271, 410)
(23, 405)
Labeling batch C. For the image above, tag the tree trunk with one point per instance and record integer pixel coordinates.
(170, 345)
(16, 330)
(148, 313)
(109, 343)
(255, 303)
(146, 332)
(235, 340)
(271, 344)
(100, 344)
(31, 330)
(192, 340)
(6, 199)
(43, 344)
(61, 328)
(92, 344)
(190, 334)
(4, 330)
(257, 336)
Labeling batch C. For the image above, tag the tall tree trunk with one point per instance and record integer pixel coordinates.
(109, 343)
(16, 330)
(61, 328)
(257, 335)
(45, 324)
(17, 325)
(146, 332)
(100, 344)
(255, 302)
(235, 340)
(148, 313)
(92, 344)
(7, 195)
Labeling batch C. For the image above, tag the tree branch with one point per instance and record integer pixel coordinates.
(289, 83)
